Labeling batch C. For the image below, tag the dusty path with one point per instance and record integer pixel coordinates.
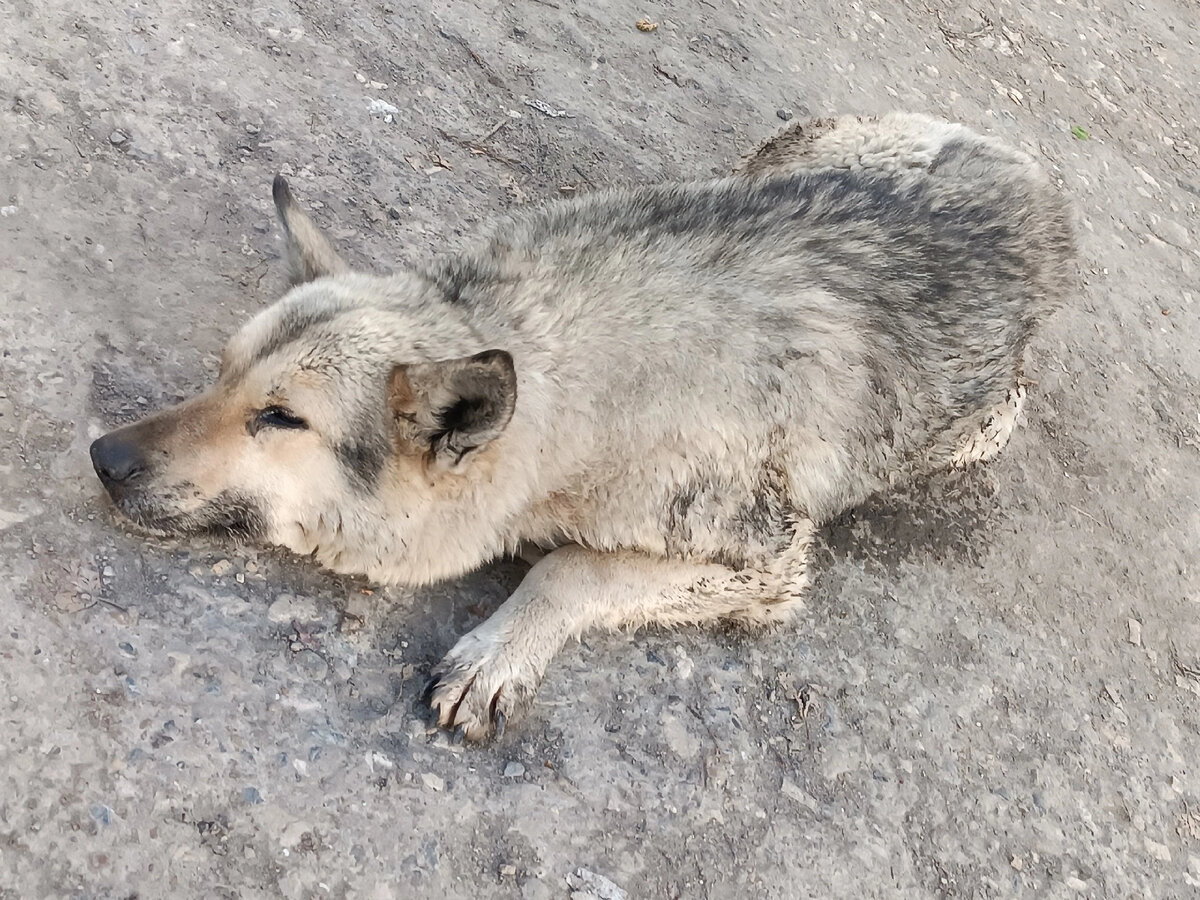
(996, 691)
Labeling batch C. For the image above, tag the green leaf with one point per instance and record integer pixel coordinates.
(1080, 132)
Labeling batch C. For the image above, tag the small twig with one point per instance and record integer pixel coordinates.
(470, 142)
(491, 134)
(1183, 669)
(475, 57)
(547, 110)
(261, 264)
(583, 176)
(476, 145)
(700, 718)
(670, 76)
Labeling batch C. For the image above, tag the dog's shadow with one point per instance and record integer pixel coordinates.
(945, 518)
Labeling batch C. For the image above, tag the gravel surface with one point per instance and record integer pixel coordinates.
(995, 691)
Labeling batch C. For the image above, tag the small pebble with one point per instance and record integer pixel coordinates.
(117, 138)
(784, 113)
(514, 770)
(101, 813)
(375, 758)
(433, 782)
(108, 572)
(288, 608)
(683, 663)
(1146, 176)
(1171, 232)
(311, 664)
(222, 567)
(381, 108)
(1135, 632)
(585, 883)
(1158, 851)
(508, 870)
(252, 796)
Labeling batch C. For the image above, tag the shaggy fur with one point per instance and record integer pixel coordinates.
(666, 388)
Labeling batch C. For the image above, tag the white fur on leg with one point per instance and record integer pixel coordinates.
(986, 442)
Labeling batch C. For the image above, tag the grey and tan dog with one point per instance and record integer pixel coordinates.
(665, 389)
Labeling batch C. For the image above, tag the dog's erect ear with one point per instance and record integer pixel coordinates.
(453, 407)
(310, 255)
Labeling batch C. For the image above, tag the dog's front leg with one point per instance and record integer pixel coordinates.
(492, 674)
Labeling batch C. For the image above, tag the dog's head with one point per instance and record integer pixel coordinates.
(352, 400)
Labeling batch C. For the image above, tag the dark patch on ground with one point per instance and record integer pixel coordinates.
(947, 518)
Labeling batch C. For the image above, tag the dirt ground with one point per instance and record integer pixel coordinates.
(995, 691)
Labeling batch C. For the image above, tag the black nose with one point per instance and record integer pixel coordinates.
(117, 459)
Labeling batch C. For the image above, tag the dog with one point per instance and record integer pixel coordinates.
(663, 390)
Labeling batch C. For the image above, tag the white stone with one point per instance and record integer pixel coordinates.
(288, 608)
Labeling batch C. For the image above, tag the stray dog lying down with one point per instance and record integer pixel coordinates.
(665, 389)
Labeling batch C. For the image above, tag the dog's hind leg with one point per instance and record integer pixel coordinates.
(791, 150)
(896, 142)
(985, 441)
(492, 673)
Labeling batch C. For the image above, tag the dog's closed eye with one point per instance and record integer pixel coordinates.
(275, 417)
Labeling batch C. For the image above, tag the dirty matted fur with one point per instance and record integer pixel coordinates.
(666, 389)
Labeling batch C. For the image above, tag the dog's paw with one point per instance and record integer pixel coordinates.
(480, 687)
(985, 443)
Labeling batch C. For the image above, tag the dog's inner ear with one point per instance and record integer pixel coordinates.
(451, 408)
(310, 255)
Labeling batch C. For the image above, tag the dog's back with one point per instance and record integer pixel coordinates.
(803, 339)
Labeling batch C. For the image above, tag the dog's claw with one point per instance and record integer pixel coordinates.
(427, 691)
(460, 735)
(501, 720)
